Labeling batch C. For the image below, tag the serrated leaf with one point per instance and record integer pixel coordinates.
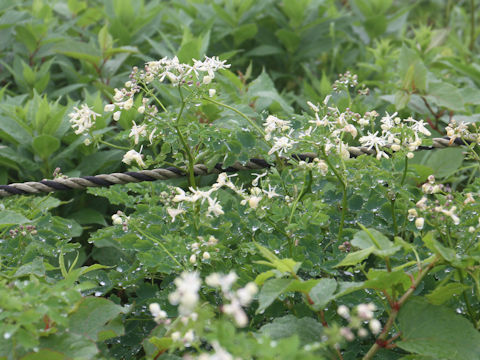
(356, 257)
(323, 292)
(45, 145)
(437, 331)
(446, 95)
(270, 291)
(442, 294)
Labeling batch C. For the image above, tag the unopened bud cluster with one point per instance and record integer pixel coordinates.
(363, 314)
(23, 231)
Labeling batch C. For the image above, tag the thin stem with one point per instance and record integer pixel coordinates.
(191, 160)
(344, 196)
(393, 315)
(151, 93)
(470, 310)
(159, 243)
(113, 145)
(250, 121)
(472, 25)
(394, 218)
(405, 168)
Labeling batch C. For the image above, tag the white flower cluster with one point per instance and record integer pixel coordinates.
(119, 218)
(435, 209)
(200, 249)
(237, 299)
(82, 119)
(455, 130)
(179, 74)
(186, 294)
(363, 313)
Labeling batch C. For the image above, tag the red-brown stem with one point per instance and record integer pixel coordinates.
(382, 338)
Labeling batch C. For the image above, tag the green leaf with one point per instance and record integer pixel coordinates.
(444, 293)
(270, 291)
(45, 354)
(368, 238)
(9, 217)
(80, 50)
(383, 280)
(446, 95)
(73, 346)
(322, 293)
(437, 331)
(445, 162)
(356, 257)
(45, 145)
(244, 32)
(92, 316)
(307, 329)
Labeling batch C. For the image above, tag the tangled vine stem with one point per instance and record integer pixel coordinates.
(46, 186)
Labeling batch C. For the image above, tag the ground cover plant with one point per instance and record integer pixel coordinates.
(322, 254)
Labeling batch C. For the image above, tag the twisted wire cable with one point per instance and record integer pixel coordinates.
(46, 186)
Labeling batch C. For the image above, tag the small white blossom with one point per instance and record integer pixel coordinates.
(214, 207)
(419, 223)
(375, 326)
(138, 131)
(82, 119)
(343, 311)
(116, 115)
(132, 155)
(109, 107)
(212, 92)
(158, 314)
(282, 144)
(174, 212)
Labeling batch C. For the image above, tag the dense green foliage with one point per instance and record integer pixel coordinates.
(334, 257)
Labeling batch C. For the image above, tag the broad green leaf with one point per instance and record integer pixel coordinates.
(307, 329)
(356, 257)
(270, 291)
(9, 217)
(445, 162)
(323, 293)
(442, 294)
(437, 331)
(446, 95)
(80, 50)
(92, 316)
(45, 145)
(371, 238)
(383, 280)
(73, 346)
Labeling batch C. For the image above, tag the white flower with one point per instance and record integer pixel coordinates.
(455, 218)
(116, 115)
(127, 105)
(82, 119)
(158, 314)
(189, 336)
(116, 219)
(186, 294)
(176, 336)
(212, 92)
(419, 126)
(109, 107)
(270, 192)
(419, 223)
(141, 109)
(207, 80)
(365, 311)
(343, 311)
(313, 107)
(253, 201)
(206, 255)
(193, 259)
(138, 131)
(181, 196)
(174, 212)
(375, 326)
(132, 155)
(118, 95)
(245, 294)
(214, 207)
(282, 144)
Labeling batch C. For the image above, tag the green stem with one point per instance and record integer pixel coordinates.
(159, 243)
(188, 152)
(113, 145)
(149, 92)
(472, 25)
(405, 168)
(394, 218)
(470, 310)
(344, 190)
